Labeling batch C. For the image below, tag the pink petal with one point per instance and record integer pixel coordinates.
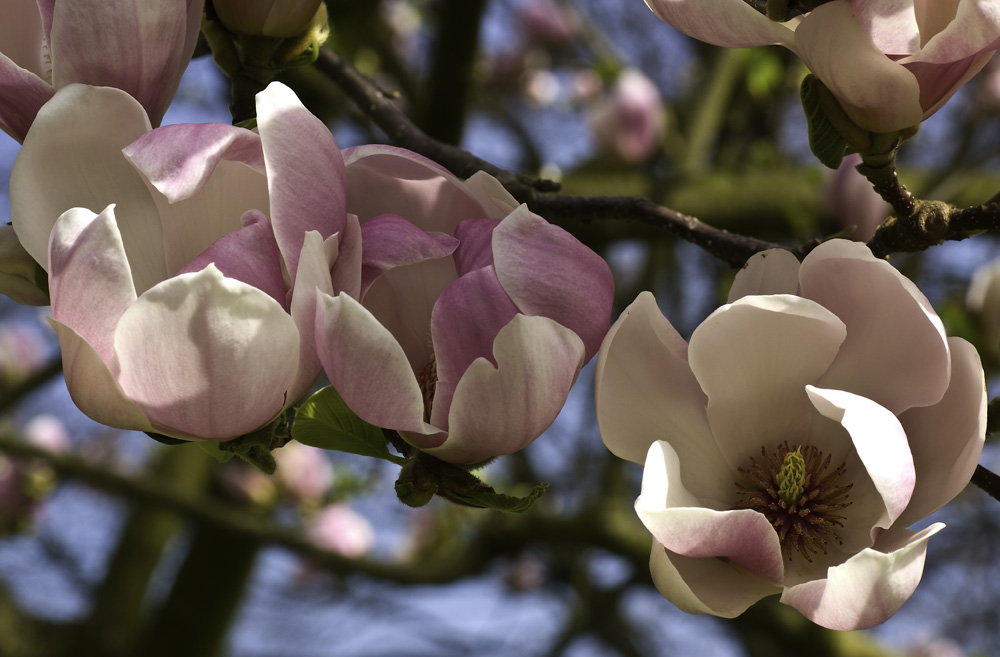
(947, 439)
(346, 269)
(880, 444)
(753, 359)
(464, 324)
(139, 47)
(249, 255)
(73, 159)
(500, 410)
(305, 171)
(22, 94)
(207, 356)
(892, 24)
(390, 180)
(90, 283)
(92, 387)
(711, 586)
(869, 587)
(312, 278)
(896, 352)
(489, 193)
(179, 159)
(391, 241)
(948, 37)
(369, 369)
(728, 23)
(775, 271)
(645, 391)
(548, 272)
(939, 82)
(475, 249)
(877, 93)
(681, 524)
(402, 300)
(21, 36)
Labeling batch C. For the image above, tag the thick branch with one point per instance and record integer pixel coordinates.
(988, 481)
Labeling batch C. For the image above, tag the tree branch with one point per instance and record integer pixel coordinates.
(378, 105)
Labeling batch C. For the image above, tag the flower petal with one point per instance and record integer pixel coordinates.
(249, 255)
(645, 391)
(72, 158)
(207, 356)
(179, 159)
(391, 241)
(346, 269)
(369, 369)
(464, 325)
(679, 523)
(475, 247)
(712, 586)
(728, 23)
(305, 171)
(22, 94)
(879, 442)
(888, 321)
(775, 271)
(869, 587)
(974, 28)
(391, 180)
(491, 194)
(139, 47)
(947, 439)
(90, 284)
(753, 358)
(876, 92)
(313, 277)
(548, 272)
(500, 410)
(92, 387)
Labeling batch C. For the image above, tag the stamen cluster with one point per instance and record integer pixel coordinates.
(799, 494)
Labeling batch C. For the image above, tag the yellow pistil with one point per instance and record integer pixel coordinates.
(799, 495)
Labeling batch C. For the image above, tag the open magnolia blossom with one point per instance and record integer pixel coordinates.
(789, 446)
(183, 269)
(138, 46)
(475, 315)
(890, 63)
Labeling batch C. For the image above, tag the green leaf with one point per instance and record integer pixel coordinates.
(215, 450)
(424, 476)
(825, 141)
(497, 501)
(325, 421)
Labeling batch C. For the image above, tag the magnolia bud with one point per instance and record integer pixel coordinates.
(270, 18)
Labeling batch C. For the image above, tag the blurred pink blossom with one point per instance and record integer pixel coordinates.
(630, 121)
(340, 529)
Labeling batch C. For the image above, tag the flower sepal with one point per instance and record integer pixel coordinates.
(424, 476)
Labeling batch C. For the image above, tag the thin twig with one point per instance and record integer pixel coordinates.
(988, 481)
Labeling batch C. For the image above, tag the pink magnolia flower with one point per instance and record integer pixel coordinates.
(630, 121)
(304, 471)
(340, 529)
(270, 18)
(138, 46)
(183, 269)
(791, 443)
(850, 200)
(475, 315)
(890, 63)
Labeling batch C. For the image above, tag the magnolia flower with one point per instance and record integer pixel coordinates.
(340, 529)
(791, 443)
(850, 200)
(138, 46)
(304, 471)
(630, 121)
(475, 315)
(890, 63)
(183, 269)
(270, 18)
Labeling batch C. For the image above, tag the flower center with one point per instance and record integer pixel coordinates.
(427, 379)
(799, 494)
